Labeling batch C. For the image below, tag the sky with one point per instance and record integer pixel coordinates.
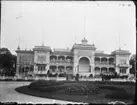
(107, 24)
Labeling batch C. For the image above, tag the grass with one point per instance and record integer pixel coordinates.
(80, 91)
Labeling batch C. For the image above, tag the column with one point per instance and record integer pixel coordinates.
(75, 71)
(100, 59)
(107, 60)
(65, 57)
(107, 69)
(128, 71)
(35, 68)
(47, 68)
(117, 62)
(57, 57)
(65, 69)
(24, 69)
(92, 69)
(18, 64)
(56, 69)
(117, 69)
(47, 57)
(17, 69)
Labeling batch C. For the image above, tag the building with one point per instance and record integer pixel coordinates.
(82, 59)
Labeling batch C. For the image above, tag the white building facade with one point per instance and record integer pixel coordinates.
(82, 59)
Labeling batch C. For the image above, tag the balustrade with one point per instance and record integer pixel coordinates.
(123, 65)
(61, 62)
(104, 63)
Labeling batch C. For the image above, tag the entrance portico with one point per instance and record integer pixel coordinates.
(83, 58)
(83, 65)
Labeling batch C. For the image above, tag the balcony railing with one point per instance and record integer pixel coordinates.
(103, 63)
(61, 62)
(40, 72)
(123, 65)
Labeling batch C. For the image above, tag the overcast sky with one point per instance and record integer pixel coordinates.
(60, 24)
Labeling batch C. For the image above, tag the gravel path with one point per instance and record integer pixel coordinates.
(8, 94)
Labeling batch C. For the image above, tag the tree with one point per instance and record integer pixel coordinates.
(7, 62)
(132, 62)
(77, 77)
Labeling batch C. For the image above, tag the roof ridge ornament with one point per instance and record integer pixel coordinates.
(84, 41)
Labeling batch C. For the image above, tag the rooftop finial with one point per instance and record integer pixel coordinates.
(119, 43)
(84, 20)
(75, 40)
(18, 43)
(18, 48)
(42, 36)
(84, 41)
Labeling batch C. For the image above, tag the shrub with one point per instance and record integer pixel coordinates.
(90, 76)
(69, 76)
(41, 75)
(77, 77)
(82, 89)
(107, 76)
(120, 95)
(123, 77)
(62, 75)
(8, 79)
(81, 76)
(43, 83)
(52, 75)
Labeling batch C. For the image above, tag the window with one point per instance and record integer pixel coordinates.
(123, 70)
(41, 67)
(123, 61)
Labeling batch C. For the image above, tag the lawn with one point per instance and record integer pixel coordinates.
(81, 91)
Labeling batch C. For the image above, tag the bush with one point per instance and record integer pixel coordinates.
(123, 77)
(90, 76)
(43, 83)
(69, 76)
(62, 75)
(81, 76)
(77, 77)
(52, 75)
(82, 89)
(107, 76)
(120, 95)
(41, 75)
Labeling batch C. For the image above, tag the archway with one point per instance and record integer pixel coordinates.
(84, 65)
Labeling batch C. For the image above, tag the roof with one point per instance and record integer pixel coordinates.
(61, 53)
(42, 48)
(64, 50)
(84, 46)
(120, 52)
(103, 54)
(24, 51)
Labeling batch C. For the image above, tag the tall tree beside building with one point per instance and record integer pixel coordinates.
(133, 63)
(7, 62)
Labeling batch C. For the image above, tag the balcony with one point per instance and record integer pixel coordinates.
(69, 63)
(53, 62)
(104, 64)
(40, 72)
(124, 65)
(61, 62)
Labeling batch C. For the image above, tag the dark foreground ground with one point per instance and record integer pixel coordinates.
(107, 91)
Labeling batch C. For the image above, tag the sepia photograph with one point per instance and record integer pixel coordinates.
(68, 52)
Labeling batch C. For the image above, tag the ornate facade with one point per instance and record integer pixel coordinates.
(82, 59)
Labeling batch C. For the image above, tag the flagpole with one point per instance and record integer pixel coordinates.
(84, 21)
(0, 29)
(119, 43)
